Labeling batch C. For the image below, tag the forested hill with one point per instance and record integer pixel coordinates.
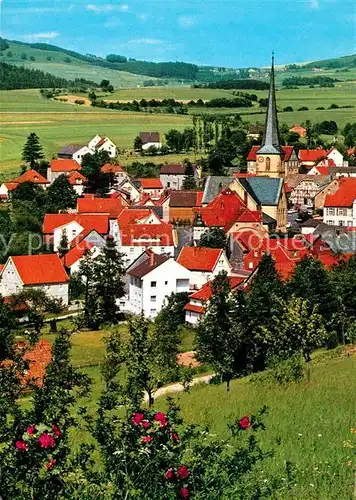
(17, 77)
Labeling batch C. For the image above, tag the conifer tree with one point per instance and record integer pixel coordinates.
(32, 150)
(108, 273)
(63, 244)
(189, 181)
(60, 195)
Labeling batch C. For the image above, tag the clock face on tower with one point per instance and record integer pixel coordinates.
(260, 159)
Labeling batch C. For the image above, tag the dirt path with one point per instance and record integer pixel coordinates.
(173, 388)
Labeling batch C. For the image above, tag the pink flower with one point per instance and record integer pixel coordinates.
(184, 493)
(161, 418)
(46, 441)
(244, 423)
(146, 424)
(170, 475)
(51, 464)
(21, 445)
(56, 430)
(183, 472)
(137, 418)
(175, 437)
(146, 439)
(31, 430)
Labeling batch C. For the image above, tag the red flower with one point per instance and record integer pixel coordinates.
(21, 445)
(146, 439)
(51, 464)
(244, 423)
(56, 430)
(31, 430)
(183, 472)
(170, 475)
(175, 437)
(146, 424)
(161, 418)
(184, 493)
(137, 418)
(46, 441)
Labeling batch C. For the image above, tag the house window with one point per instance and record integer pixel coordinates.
(132, 250)
(250, 265)
(342, 211)
(341, 222)
(153, 298)
(268, 164)
(330, 222)
(166, 282)
(168, 184)
(153, 284)
(162, 249)
(331, 211)
(74, 232)
(152, 312)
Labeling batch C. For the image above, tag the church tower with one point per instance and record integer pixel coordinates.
(269, 158)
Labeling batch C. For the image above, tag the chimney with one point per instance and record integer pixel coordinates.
(152, 259)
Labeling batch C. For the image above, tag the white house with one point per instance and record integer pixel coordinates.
(5, 190)
(61, 167)
(340, 207)
(74, 152)
(204, 263)
(102, 143)
(150, 139)
(77, 181)
(132, 192)
(151, 186)
(45, 272)
(151, 279)
(72, 259)
(337, 157)
(172, 176)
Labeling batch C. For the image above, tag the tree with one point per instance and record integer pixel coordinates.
(32, 150)
(104, 84)
(189, 181)
(7, 336)
(312, 282)
(138, 143)
(60, 195)
(98, 182)
(63, 244)
(175, 140)
(90, 318)
(213, 238)
(218, 338)
(108, 271)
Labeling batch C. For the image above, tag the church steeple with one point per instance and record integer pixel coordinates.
(271, 141)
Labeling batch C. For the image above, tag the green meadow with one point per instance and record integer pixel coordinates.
(58, 124)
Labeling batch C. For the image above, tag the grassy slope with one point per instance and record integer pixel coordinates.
(310, 421)
(76, 69)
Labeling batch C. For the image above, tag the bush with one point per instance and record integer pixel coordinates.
(292, 369)
(287, 109)
(79, 101)
(303, 108)
(334, 106)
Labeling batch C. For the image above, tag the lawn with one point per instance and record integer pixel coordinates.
(308, 424)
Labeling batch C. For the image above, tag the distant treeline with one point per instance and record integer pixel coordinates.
(178, 70)
(3, 44)
(296, 81)
(236, 84)
(340, 62)
(18, 77)
(173, 106)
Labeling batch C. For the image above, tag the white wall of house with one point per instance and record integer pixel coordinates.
(172, 181)
(4, 191)
(72, 230)
(134, 193)
(78, 155)
(148, 145)
(74, 268)
(337, 157)
(344, 216)
(192, 317)
(148, 294)
(78, 188)
(199, 278)
(155, 193)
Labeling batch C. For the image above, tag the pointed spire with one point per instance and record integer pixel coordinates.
(271, 141)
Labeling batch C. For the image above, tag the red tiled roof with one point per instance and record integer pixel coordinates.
(99, 222)
(111, 206)
(288, 150)
(39, 356)
(311, 154)
(132, 215)
(11, 185)
(205, 292)
(101, 142)
(184, 198)
(194, 308)
(344, 196)
(31, 176)
(199, 258)
(147, 235)
(40, 269)
(74, 177)
(322, 170)
(1, 267)
(76, 253)
(64, 165)
(173, 169)
(108, 168)
(149, 137)
(248, 239)
(151, 183)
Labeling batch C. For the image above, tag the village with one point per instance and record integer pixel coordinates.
(162, 231)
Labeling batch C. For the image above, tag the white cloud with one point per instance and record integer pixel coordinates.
(142, 17)
(113, 22)
(314, 4)
(186, 21)
(146, 41)
(48, 35)
(99, 9)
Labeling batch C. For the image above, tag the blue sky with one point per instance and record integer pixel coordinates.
(234, 33)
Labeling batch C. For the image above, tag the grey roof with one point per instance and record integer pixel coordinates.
(267, 219)
(334, 171)
(152, 261)
(158, 210)
(71, 149)
(271, 143)
(185, 239)
(149, 137)
(345, 242)
(311, 223)
(214, 185)
(264, 190)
